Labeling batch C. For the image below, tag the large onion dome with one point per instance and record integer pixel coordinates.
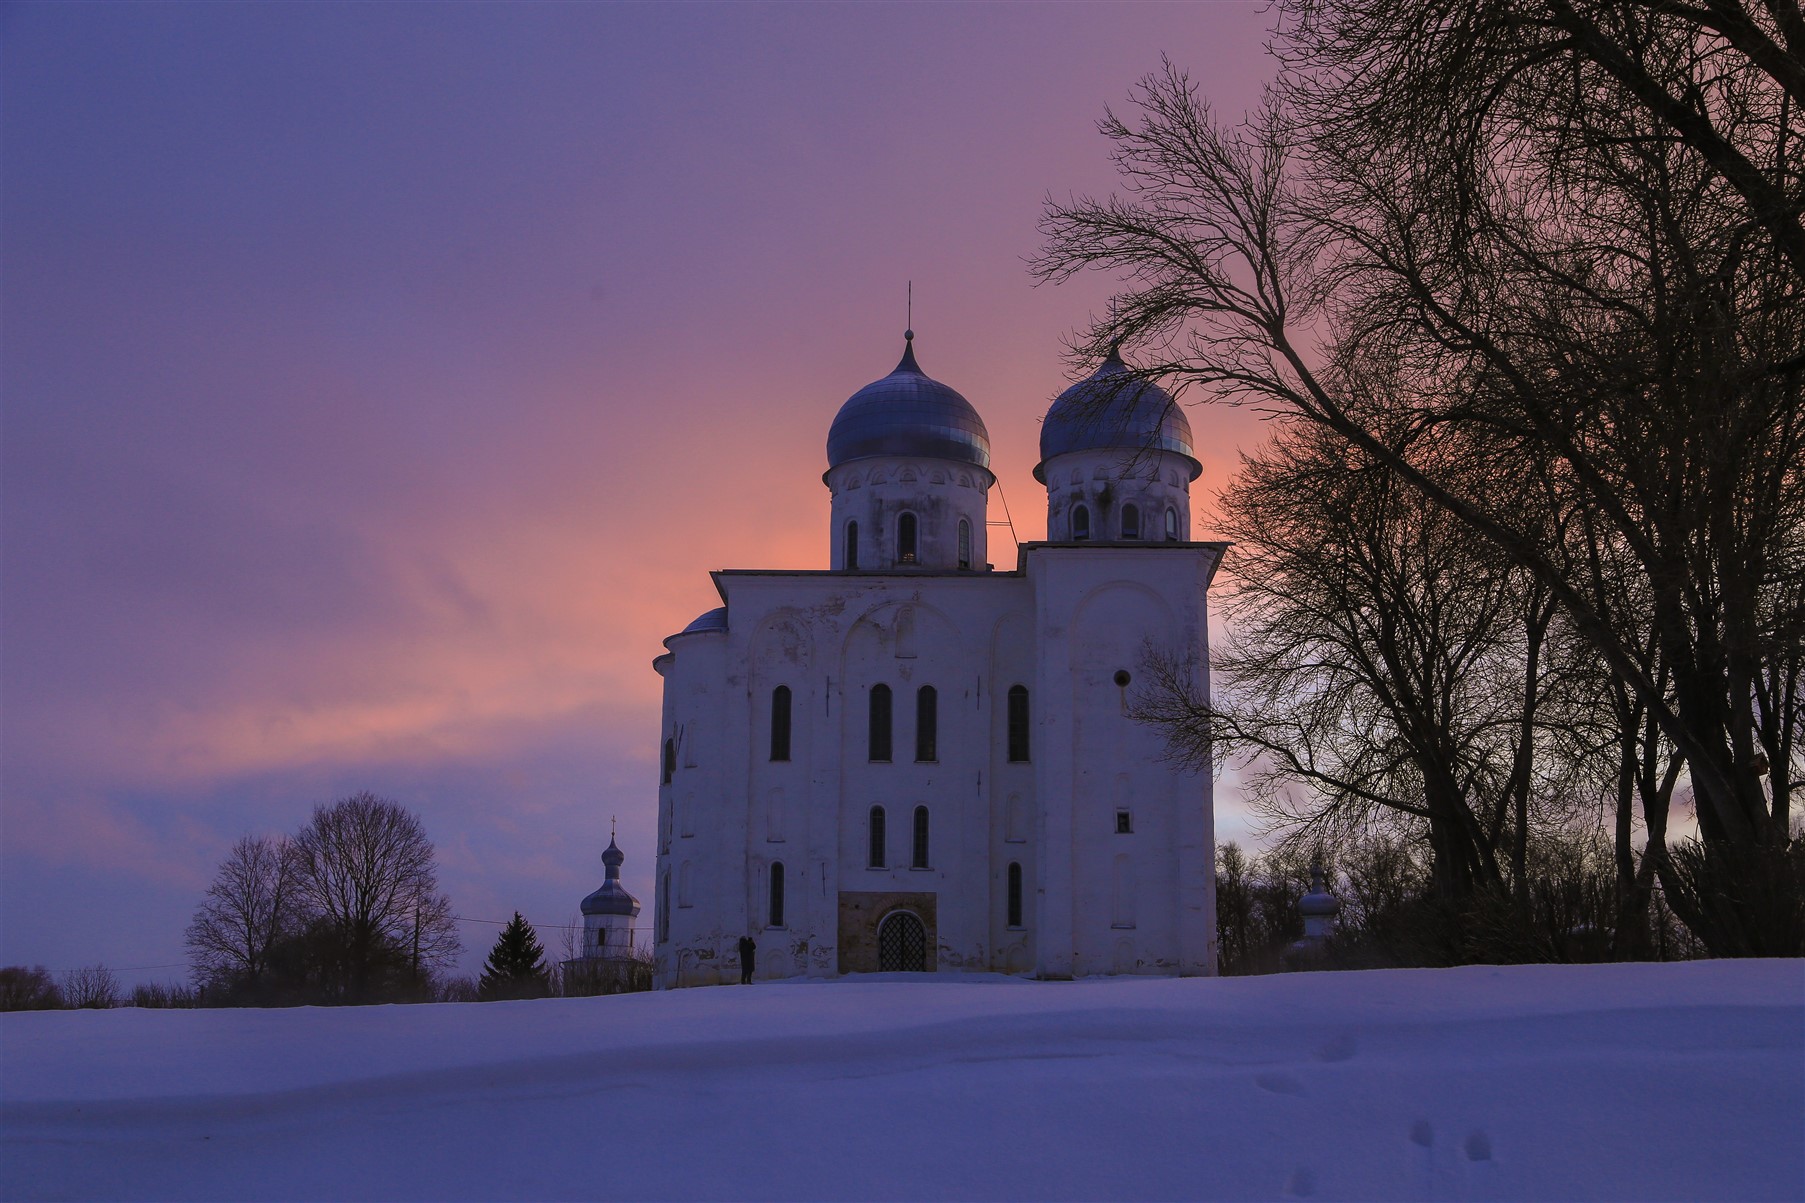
(1112, 409)
(612, 898)
(908, 414)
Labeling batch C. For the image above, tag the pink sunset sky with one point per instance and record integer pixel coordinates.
(381, 383)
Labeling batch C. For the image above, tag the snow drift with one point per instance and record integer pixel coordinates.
(1599, 1082)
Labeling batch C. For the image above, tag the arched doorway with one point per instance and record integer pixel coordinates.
(902, 944)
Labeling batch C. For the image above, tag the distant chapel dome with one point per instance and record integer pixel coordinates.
(1113, 410)
(612, 898)
(908, 414)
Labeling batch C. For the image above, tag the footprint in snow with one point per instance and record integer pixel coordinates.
(1339, 1047)
(1481, 1175)
(1276, 1083)
(1422, 1160)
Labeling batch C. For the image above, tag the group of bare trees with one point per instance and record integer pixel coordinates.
(1520, 282)
(347, 910)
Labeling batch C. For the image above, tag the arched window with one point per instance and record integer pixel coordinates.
(852, 545)
(1015, 821)
(1122, 893)
(670, 760)
(664, 906)
(776, 908)
(1018, 722)
(780, 723)
(920, 860)
(684, 878)
(964, 543)
(1015, 894)
(878, 735)
(1081, 522)
(1171, 525)
(905, 539)
(927, 723)
(1131, 522)
(877, 860)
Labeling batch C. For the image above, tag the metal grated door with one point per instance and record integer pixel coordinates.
(902, 944)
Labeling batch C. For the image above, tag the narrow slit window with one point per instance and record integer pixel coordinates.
(1131, 522)
(670, 760)
(1081, 522)
(920, 859)
(905, 539)
(1124, 823)
(852, 545)
(776, 907)
(780, 723)
(927, 723)
(878, 735)
(1171, 525)
(1018, 723)
(877, 859)
(964, 543)
(664, 906)
(1015, 894)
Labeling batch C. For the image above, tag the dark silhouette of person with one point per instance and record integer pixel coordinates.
(748, 959)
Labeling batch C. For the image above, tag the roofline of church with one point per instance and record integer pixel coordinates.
(979, 574)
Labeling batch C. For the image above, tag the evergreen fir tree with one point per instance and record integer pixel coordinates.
(516, 966)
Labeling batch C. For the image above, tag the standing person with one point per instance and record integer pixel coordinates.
(748, 957)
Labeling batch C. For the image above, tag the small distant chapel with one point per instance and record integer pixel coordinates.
(913, 761)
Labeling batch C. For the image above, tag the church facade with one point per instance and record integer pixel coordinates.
(912, 761)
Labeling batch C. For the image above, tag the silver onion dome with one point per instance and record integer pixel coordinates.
(1318, 903)
(1112, 409)
(906, 413)
(612, 898)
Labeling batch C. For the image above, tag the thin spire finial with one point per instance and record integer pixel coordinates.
(611, 821)
(909, 329)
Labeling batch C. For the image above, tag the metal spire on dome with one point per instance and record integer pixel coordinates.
(908, 363)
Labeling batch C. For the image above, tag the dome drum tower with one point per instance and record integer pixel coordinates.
(1117, 461)
(909, 472)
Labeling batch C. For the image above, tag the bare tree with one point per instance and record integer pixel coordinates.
(28, 988)
(1523, 247)
(92, 987)
(1377, 656)
(365, 874)
(249, 909)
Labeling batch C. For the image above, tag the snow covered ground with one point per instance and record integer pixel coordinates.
(1604, 1082)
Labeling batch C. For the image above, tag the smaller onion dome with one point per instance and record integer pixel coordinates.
(612, 898)
(907, 413)
(1318, 903)
(711, 620)
(1112, 409)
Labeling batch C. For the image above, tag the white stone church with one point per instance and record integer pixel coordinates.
(916, 761)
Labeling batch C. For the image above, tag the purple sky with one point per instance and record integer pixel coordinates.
(382, 381)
